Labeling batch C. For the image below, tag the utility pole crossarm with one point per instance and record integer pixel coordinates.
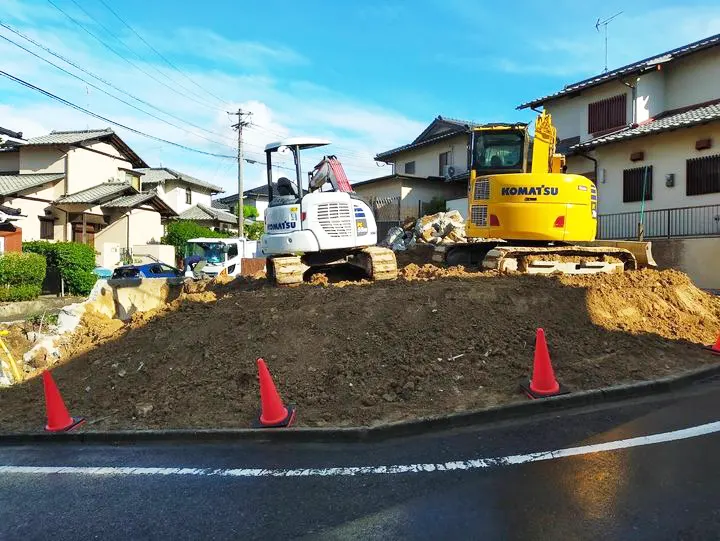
(241, 123)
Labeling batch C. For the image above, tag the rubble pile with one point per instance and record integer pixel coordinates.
(440, 228)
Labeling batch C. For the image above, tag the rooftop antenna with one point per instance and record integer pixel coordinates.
(605, 23)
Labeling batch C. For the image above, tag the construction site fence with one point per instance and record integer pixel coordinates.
(387, 214)
(700, 221)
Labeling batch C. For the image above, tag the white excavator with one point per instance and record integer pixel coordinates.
(328, 224)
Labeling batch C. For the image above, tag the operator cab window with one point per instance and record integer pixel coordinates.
(498, 152)
(232, 251)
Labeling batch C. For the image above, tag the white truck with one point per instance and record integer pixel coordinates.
(210, 257)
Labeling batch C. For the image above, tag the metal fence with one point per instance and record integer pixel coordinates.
(701, 221)
(387, 214)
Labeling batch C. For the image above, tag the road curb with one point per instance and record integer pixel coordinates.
(382, 432)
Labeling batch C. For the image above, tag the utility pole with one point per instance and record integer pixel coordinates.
(241, 123)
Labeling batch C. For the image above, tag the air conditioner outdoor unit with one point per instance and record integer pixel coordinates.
(450, 171)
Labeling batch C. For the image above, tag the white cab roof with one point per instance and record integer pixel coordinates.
(302, 142)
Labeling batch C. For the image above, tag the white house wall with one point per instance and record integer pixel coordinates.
(174, 196)
(667, 153)
(87, 169)
(649, 96)
(9, 161)
(385, 188)
(693, 79)
(427, 159)
(41, 160)
(413, 192)
(570, 115)
(32, 209)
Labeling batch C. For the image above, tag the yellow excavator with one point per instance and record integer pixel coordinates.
(528, 215)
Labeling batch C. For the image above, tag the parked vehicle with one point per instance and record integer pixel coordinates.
(210, 257)
(150, 270)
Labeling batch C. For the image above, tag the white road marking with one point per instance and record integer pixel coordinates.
(472, 464)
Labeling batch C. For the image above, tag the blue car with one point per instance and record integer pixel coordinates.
(150, 270)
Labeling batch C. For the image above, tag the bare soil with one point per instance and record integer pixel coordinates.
(435, 341)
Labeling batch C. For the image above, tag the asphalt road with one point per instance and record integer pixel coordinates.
(665, 490)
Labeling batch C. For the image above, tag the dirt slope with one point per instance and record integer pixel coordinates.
(362, 354)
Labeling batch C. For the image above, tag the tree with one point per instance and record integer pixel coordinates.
(249, 212)
(254, 230)
(181, 231)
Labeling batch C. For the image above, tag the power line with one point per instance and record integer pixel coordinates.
(140, 58)
(111, 49)
(120, 125)
(112, 95)
(160, 55)
(98, 78)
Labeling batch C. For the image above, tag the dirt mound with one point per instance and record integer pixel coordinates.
(389, 351)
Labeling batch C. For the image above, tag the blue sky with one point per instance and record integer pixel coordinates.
(367, 75)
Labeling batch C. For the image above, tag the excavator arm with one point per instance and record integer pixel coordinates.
(329, 170)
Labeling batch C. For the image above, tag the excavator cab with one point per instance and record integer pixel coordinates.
(499, 148)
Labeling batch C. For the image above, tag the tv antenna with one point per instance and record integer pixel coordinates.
(605, 23)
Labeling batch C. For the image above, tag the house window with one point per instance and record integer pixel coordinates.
(188, 196)
(633, 181)
(410, 168)
(444, 161)
(47, 228)
(607, 114)
(703, 175)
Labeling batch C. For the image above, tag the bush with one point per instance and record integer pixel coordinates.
(249, 212)
(21, 276)
(254, 230)
(23, 292)
(74, 261)
(181, 231)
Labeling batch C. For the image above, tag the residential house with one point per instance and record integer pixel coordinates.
(80, 186)
(255, 197)
(649, 134)
(433, 165)
(180, 191)
(215, 218)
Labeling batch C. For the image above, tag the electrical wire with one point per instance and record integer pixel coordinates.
(119, 40)
(120, 125)
(114, 96)
(119, 55)
(102, 80)
(160, 55)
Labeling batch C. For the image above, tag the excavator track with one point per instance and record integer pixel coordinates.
(563, 259)
(285, 270)
(377, 262)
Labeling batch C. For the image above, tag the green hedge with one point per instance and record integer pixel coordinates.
(181, 231)
(21, 276)
(74, 261)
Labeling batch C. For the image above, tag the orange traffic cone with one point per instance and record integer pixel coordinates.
(715, 348)
(58, 418)
(273, 413)
(543, 382)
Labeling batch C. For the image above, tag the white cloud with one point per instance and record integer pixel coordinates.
(358, 128)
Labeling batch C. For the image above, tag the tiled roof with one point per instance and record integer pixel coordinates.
(69, 137)
(77, 137)
(158, 175)
(96, 194)
(648, 64)
(10, 211)
(203, 212)
(10, 184)
(452, 127)
(217, 204)
(132, 200)
(685, 119)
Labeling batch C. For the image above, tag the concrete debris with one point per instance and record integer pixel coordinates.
(440, 228)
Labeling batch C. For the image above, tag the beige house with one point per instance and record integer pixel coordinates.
(433, 165)
(649, 134)
(80, 186)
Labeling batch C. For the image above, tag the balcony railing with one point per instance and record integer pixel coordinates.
(702, 221)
